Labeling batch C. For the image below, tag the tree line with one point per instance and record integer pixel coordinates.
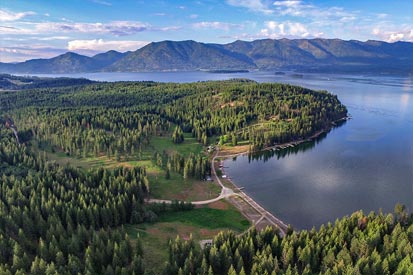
(57, 219)
(360, 244)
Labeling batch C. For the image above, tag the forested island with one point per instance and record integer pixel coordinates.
(75, 186)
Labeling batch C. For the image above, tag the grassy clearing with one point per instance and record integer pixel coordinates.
(174, 188)
(182, 189)
(177, 187)
(155, 239)
(210, 218)
(95, 162)
(201, 223)
(164, 143)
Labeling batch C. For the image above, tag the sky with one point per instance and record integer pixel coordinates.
(43, 29)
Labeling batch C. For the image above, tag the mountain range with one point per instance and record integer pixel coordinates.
(316, 55)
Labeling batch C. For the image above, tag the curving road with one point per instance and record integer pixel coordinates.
(228, 192)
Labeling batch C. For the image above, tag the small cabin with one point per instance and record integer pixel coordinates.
(205, 243)
(9, 123)
(211, 149)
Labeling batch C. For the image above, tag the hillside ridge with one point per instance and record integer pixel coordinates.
(306, 55)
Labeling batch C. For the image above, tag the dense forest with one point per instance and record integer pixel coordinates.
(90, 118)
(61, 219)
(359, 244)
(13, 82)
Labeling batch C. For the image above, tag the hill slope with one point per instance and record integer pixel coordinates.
(65, 63)
(182, 56)
(316, 55)
(327, 54)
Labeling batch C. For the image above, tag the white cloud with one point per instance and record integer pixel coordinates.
(100, 45)
(274, 29)
(24, 52)
(194, 16)
(27, 50)
(6, 15)
(253, 5)
(272, 25)
(14, 30)
(35, 38)
(217, 25)
(314, 13)
(347, 19)
(287, 3)
(298, 29)
(395, 37)
(165, 29)
(382, 15)
(389, 34)
(118, 28)
(50, 38)
(101, 2)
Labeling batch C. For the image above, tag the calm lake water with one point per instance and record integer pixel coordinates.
(367, 163)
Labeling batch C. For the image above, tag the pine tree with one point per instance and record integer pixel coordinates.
(232, 271)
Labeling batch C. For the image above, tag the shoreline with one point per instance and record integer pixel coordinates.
(290, 143)
(257, 215)
(254, 204)
(264, 212)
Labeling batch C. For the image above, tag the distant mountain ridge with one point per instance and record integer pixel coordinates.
(182, 56)
(318, 55)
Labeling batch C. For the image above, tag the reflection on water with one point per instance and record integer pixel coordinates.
(365, 164)
(282, 153)
(407, 84)
(299, 148)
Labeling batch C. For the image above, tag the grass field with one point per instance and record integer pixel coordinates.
(201, 223)
(210, 218)
(182, 189)
(174, 188)
(164, 143)
(94, 162)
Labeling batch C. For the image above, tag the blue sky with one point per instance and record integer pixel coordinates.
(43, 29)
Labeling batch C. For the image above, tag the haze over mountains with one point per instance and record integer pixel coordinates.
(318, 55)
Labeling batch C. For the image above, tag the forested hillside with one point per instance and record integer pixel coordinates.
(359, 244)
(309, 55)
(61, 215)
(117, 118)
(12, 82)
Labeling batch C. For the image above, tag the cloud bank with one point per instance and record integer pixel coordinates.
(100, 45)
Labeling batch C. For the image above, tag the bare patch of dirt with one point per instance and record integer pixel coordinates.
(125, 164)
(153, 231)
(232, 150)
(232, 104)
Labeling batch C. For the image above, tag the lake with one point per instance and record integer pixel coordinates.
(367, 163)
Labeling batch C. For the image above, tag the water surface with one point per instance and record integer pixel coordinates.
(367, 163)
